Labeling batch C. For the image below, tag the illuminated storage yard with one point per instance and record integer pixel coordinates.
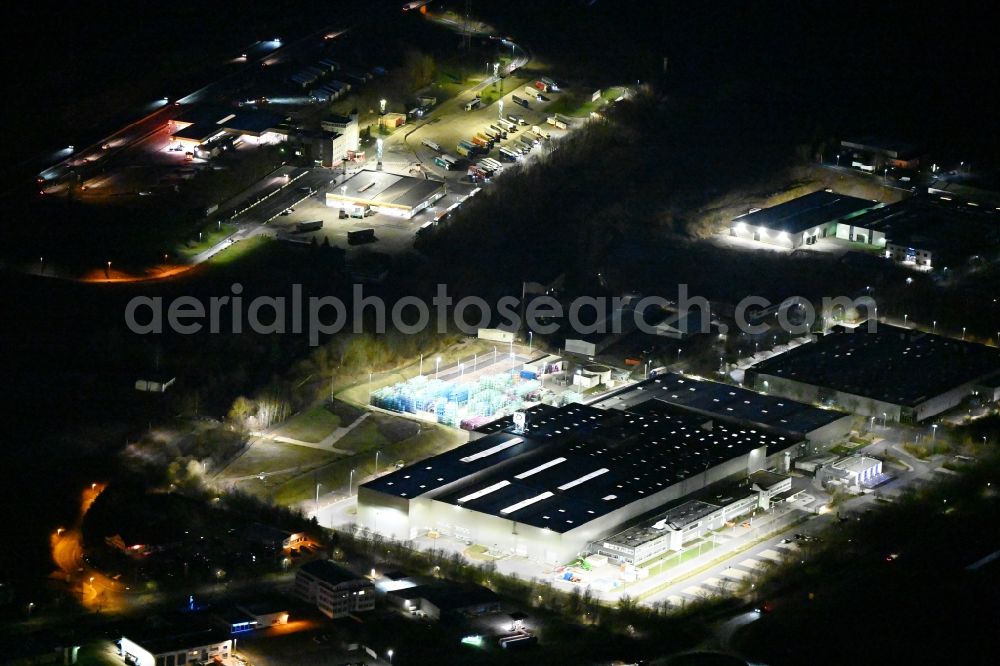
(456, 402)
(573, 475)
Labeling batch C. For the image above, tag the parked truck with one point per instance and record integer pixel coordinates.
(359, 236)
(521, 101)
(474, 104)
(441, 162)
(540, 132)
(432, 145)
(556, 122)
(309, 226)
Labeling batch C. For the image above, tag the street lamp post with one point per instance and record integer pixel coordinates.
(963, 333)
(421, 365)
(350, 483)
(934, 432)
(934, 330)
(376, 461)
(437, 367)
(530, 336)
(317, 496)
(389, 652)
(905, 316)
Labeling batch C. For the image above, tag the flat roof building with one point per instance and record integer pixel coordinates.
(899, 374)
(671, 391)
(437, 599)
(929, 232)
(879, 151)
(184, 643)
(334, 590)
(572, 476)
(801, 221)
(391, 194)
(198, 125)
(689, 519)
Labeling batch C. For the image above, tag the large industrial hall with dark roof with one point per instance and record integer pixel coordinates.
(892, 373)
(574, 475)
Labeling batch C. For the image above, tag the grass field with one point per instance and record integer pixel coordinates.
(571, 104)
(210, 235)
(431, 440)
(280, 461)
(311, 425)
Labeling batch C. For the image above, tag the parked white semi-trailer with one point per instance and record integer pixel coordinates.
(552, 120)
(432, 145)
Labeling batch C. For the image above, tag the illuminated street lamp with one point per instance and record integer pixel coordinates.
(963, 332)
(377, 451)
(904, 319)
(935, 326)
(390, 655)
(381, 106)
(350, 483)
(934, 432)
(437, 367)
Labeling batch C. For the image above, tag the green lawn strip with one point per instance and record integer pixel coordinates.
(311, 425)
(210, 235)
(432, 440)
(267, 457)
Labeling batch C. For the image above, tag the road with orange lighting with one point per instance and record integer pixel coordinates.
(96, 590)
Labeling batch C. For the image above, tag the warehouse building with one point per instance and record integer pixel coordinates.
(571, 477)
(671, 392)
(346, 126)
(201, 125)
(390, 194)
(896, 374)
(871, 153)
(801, 221)
(929, 233)
(437, 599)
(690, 519)
(334, 590)
(191, 642)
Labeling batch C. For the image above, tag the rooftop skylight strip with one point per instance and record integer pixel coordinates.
(584, 478)
(493, 449)
(540, 468)
(528, 502)
(483, 492)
